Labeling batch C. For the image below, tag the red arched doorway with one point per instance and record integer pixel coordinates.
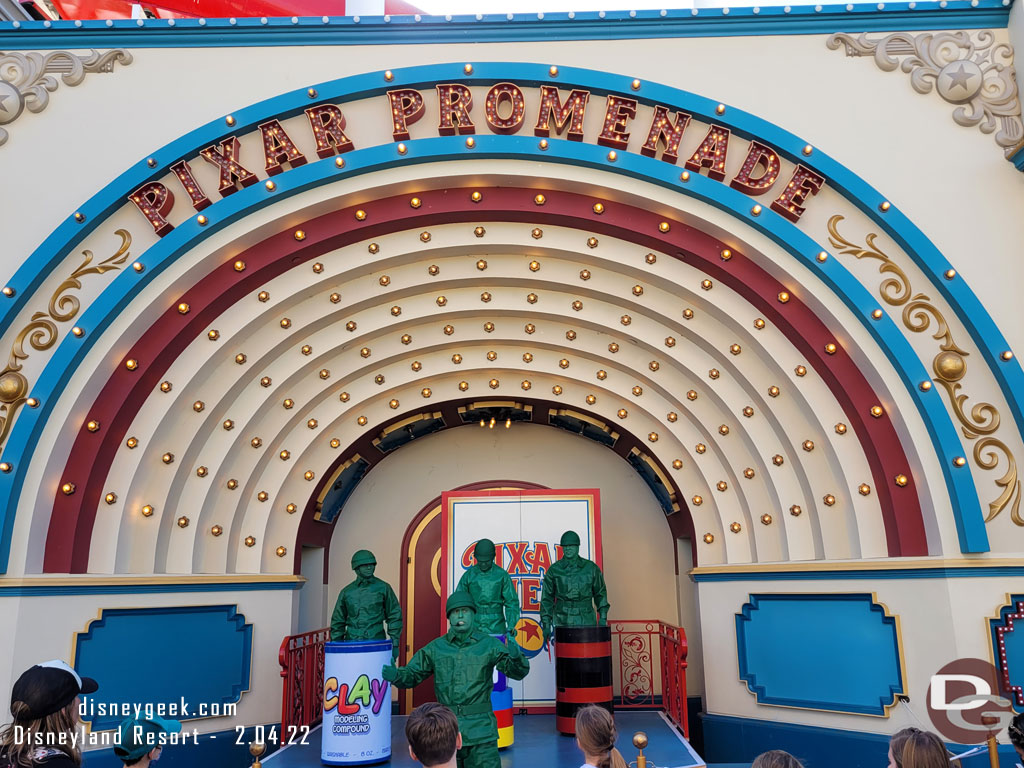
(420, 589)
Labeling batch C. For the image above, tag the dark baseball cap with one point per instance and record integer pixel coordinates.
(139, 736)
(47, 688)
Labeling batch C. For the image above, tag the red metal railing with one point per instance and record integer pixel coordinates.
(650, 656)
(302, 667)
(649, 653)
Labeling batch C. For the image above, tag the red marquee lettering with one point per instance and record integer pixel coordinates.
(711, 153)
(231, 171)
(328, 124)
(661, 132)
(616, 114)
(541, 558)
(455, 102)
(531, 596)
(517, 565)
(759, 156)
(570, 113)
(184, 173)
(498, 95)
(406, 108)
(278, 148)
(804, 183)
(155, 201)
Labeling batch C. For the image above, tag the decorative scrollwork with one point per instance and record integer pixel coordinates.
(41, 332)
(949, 366)
(27, 79)
(637, 673)
(967, 70)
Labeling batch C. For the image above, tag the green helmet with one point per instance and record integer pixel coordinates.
(484, 550)
(570, 539)
(363, 557)
(459, 600)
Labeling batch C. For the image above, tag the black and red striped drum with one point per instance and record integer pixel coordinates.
(583, 672)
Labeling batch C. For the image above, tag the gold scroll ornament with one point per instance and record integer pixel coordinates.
(949, 365)
(41, 331)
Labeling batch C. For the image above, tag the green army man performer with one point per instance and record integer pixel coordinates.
(572, 588)
(365, 604)
(462, 662)
(497, 609)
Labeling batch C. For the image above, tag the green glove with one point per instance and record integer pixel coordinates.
(546, 631)
(389, 673)
(394, 651)
(511, 633)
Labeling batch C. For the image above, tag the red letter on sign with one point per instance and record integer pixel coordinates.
(711, 153)
(499, 94)
(672, 136)
(530, 601)
(278, 148)
(804, 183)
(768, 160)
(406, 108)
(455, 102)
(616, 113)
(328, 124)
(183, 171)
(550, 107)
(231, 172)
(155, 201)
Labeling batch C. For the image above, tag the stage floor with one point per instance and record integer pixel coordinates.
(537, 743)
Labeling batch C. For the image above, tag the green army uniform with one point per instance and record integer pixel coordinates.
(463, 663)
(497, 607)
(572, 588)
(365, 604)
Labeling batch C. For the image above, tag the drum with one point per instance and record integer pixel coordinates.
(357, 703)
(583, 672)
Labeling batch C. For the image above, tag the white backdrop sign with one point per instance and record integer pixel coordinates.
(525, 526)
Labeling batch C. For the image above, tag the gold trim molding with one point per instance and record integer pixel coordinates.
(949, 366)
(28, 79)
(968, 70)
(41, 331)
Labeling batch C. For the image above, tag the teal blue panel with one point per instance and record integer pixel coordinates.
(835, 652)
(188, 659)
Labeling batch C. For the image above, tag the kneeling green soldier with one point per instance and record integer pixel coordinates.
(462, 662)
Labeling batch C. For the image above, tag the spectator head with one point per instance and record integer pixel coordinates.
(432, 731)
(776, 758)
(44, 700)
(1016, 731)
(141, 740)
(914, 748)
(596, 735)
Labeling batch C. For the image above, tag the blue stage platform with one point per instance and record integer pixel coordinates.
(537, 744)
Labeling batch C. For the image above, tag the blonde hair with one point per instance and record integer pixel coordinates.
(776, 758)
(595, 731)
(21, 751)
(914, 748)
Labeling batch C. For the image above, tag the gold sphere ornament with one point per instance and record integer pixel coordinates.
(714, 373)
(722, 485)
(808, 445)
(266, 381)
(800, 370)
(622, 413)
(539, 199)
(288, 403)
(697, 500)
(864, 489)
(556, 390)
(748, 411)
(167, 458)
(318, 267)
(637, 390)
(457, 358)
(281, 551)
(526, 384)
(584, 274)
(217, 530)
(481, 265)
(650, 258)
(901, 480)
(250, 541)
(534, 266)
(638, 290)
(653, 437)
(492, 355)
(783, 297)
(240, 358)
(262, 496)
(68, 489)
(829, 500)
(385, 281)
(441, 301)
(830, 348)
(166, 386)
(228, 425)
(425, 392)
(723, 429)
(591, 399)
(416, 202)
(691, 394)
(309, 474)
(92, 425)
(493, 383)
(877, 411)
(183, 308)
(335, 298)
(485, 296)
(132, 442)
(795, 510)
(688, 314)
(708, 538)
(285, 455)
(306, 349)
(131, 364)
(877, 314)
(840, 428)
(286, 323)
(464, 385)
(735, 349)
(239, 266)
(777, 460)
(527, 357)
(537, 233)
(577, 305)
(959, 461)
(664, 226)
(78, 331)
(406, 339)
(379, 378)
(570, 335)
(396, 311)
(147, 511)
(592, 242)
(256, 442)
(183, 522)
(677, 464)
(6, 466)
(706, 284)
(529, 327)
(291, 509)
(202, 471)
(700, 448)
(563, 363)
(489, 327)
(766, 519)
(350, 326)
(735, 527)
(373, 248)
(392, 404)
(312, 423)
(365, 352)
(625, 319)
(672, 416)
(670, 341)
(433, 270)
(654, 365)
(749, 473)
(344, 397)
(425, 237)
(773, 391)
(613, 347)
(759, 324)
(531, 298)
(598, 208)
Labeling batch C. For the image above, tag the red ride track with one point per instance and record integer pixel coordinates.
(70, 532)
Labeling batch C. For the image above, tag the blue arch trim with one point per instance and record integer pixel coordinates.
(522, 27)
(71, 350)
